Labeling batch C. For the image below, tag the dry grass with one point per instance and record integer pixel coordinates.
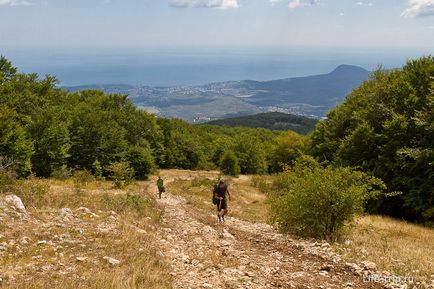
(398, 247)
(247, 202)
(123, 229)
(395, 246)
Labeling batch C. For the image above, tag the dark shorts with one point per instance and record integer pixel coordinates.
(161, 190)
(223, 206)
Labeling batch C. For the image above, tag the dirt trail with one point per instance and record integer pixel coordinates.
(239, 254)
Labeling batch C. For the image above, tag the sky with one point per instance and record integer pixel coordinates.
(105, 23)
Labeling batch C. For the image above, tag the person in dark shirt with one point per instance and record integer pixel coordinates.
(219, 195)
(160, 186)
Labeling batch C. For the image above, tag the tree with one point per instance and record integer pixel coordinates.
(250, 154)
(229, 164)
(288, 148)
(52, 143)
(141, 160)
(385, 127)
(7, 70)
(14, 141)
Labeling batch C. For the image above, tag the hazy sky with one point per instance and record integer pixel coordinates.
(94, 23)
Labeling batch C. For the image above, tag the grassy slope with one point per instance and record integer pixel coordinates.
(123, 230)
(395, 246)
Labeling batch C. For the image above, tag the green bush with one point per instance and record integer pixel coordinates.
(97, 171)
(312, 201)
(229, 164)
(121, 173)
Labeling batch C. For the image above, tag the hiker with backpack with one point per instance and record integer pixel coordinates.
(219, 199)
(160, 186)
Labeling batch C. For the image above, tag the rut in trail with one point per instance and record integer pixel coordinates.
(239, 254)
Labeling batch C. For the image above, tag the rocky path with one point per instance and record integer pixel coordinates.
(239, 254)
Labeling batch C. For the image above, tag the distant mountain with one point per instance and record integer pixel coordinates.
(272, 121)
(310, 96)
(318, 90)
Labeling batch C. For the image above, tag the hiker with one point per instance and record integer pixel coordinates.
(160, 185)
(219, 199)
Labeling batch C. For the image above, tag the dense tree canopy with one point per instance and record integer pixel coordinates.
(386, 128)
(46, 129)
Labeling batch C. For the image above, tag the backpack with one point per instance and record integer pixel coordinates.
(214, 199)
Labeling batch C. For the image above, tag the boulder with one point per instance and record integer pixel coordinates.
(84, 210)
(371, 266)
(15, 202)
(81, 259)
(111, 261)
(66, 213)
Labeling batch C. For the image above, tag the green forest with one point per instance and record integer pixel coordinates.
(385, 128)
(271, 121)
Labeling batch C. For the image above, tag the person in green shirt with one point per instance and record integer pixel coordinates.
(160, 185)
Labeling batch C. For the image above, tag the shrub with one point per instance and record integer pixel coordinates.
(82, 178)
(229, 164)
(7, 181)
(205, 164)
(261, 184)
(32, 191)
(121, 173)
(312, 201)
(8, 174)
(97, 170)
(202, 182)
(62, 173)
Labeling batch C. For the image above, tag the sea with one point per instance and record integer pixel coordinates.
(183, 66)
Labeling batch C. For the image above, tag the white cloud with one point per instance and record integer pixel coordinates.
(294, 4)
(224, 4)
(299, 3)
(419, 8)
(368, 4)
(14, 2)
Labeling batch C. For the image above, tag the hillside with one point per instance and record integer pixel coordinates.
(99, 237)
(64, 226)
(309, 95)
(324, 90)
(270, 120)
